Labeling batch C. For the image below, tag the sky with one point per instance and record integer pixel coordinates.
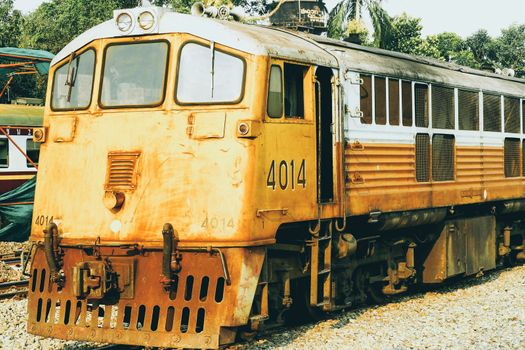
(463, 17)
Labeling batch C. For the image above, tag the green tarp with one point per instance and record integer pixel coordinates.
(24, 60)
(17, 216)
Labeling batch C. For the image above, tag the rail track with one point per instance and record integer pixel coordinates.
(12, 289)
(12, 259)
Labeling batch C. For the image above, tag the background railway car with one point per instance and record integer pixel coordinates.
(18, 121)
(222, 177)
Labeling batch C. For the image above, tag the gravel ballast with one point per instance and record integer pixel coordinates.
(477, 313)
(482, 313)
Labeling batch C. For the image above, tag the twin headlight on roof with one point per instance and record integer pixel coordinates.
(138, 20)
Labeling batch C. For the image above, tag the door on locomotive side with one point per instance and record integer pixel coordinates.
(298, 139)
(289, 159)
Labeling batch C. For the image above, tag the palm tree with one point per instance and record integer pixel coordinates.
(347, 11)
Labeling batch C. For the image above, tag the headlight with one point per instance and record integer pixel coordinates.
(124, 22)
(146, 20)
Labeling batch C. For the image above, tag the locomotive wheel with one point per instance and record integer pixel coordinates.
(301, 311)
(510, 260)
(375, 294)
(367, 292)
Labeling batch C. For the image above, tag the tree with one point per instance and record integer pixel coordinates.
(406, 34)
(482, 47)
(448, 44)
(10, 22)
(348, 11)
(510, 48)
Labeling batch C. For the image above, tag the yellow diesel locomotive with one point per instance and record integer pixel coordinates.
(202, 179)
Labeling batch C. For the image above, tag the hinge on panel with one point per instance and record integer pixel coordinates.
(357, 179)
(353, 78)
(357, 146)
(355, 113)
(191, 123)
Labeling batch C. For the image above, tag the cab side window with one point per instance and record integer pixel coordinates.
(275, 93)
(294, 90)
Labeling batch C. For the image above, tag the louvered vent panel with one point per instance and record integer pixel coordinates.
(121, 171)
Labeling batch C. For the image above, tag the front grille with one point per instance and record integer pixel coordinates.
(121, 171)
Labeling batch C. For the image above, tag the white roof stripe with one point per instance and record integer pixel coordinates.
(252, 39)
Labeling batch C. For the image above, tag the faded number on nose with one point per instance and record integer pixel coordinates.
(43, 220)
(284, 175)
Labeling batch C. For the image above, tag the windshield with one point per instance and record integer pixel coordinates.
(207, 75)
(134, 74)
(73, 83)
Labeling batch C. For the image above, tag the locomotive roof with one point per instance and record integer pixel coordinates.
(423, 69)
(301, 47)
(252, 39)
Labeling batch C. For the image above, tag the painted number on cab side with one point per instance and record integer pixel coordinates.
(43, 220)
(286, 175)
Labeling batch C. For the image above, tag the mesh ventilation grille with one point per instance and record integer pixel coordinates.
(491, 113)
(443, 157)
(421, 97)
(512, 157)
(422, 158)
(512, 114)
(468, 106)
(442, 107)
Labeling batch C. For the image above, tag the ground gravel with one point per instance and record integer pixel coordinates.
(477, 313)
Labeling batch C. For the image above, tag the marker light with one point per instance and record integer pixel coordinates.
(124, 22)
(146, 20)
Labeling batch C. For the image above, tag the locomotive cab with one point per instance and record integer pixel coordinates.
(150, 218)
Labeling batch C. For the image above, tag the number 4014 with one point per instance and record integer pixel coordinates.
(286, 175)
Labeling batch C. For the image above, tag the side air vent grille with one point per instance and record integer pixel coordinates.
(122, 171)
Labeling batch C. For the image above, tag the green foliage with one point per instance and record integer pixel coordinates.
(56, 23)
(406, 34)
(482, 46)
(348, 10)
(448, 47)
(448, 44)
(510, 48)
(10, 22)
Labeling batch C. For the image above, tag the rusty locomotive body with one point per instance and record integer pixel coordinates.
(222, 177)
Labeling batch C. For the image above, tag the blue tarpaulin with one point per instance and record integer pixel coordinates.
(17, 217)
